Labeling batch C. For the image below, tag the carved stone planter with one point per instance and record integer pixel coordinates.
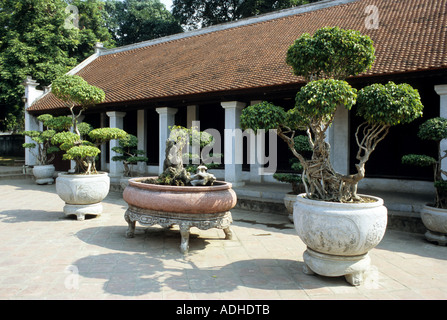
(44, 174)
(82, 193)
(339, 235)
(203, 207)
(289, 202)
(435, 220)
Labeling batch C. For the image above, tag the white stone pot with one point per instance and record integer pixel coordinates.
(44, 174)
(435, 220)
(339, 235)
(289, 202)
(82, 193)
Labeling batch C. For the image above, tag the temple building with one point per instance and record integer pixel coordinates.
(211, 74)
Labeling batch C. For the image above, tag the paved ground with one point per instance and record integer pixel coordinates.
(44, 255)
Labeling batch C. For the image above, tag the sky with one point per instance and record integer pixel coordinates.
(167, 3)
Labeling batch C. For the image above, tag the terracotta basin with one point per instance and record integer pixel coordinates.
(180, 199)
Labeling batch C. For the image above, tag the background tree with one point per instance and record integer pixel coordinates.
(194, 14)
(35, 41)
(132, 21)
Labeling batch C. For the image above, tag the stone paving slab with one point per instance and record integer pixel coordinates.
(44, 255)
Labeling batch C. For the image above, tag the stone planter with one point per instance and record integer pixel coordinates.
(339, 235)
(203, 207)
(44, 174)
(82, 193)
(435, 220)
(289, 202)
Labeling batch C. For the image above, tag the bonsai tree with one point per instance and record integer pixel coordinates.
(324, 60)
(42, 147)
(174, 171)
(129, 153)
(78, 95)
(435, 130)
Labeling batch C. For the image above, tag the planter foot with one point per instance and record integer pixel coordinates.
(308, 270)
(130, 233)
(228, 233)
(356, 278)
(45, 181)
(80, 211)
(352, 267)
(184, 244)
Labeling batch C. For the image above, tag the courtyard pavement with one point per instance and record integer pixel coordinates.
(44, 255)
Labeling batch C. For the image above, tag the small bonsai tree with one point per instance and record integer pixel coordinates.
(78, 95)
(435, 130)
(324, 60)
(129, 153)
(42, 147)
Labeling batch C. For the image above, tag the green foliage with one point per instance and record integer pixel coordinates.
(418, 160)
(65, 140)
(35, 42)
(263, 115)
(44, 139)
(319, 99)
(331, 53)
(389, 104)
(102, 135)
(194, 14)
(132, 21)
(81, 152)
(76, 91)
(433, 129)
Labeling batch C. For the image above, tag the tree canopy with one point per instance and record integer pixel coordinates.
(194, 14)
(132, 21)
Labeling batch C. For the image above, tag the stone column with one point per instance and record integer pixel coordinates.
(192, 114)
(442, 91)
(142, 137)
(166, 120)
(31, 123)
(255, 166)
(338, 138)
(103, 146)
(116, 121)
(232, 156)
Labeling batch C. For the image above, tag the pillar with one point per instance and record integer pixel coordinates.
(166, 120)
(31, 123)
(192, 114)
(232, 158)
(338, 137)
(142, 137)
(103, 124)
(255, 166)
(441, 90)
(115, 121)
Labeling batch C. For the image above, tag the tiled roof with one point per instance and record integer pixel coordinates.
(411, 36)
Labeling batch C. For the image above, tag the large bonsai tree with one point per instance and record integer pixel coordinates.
(78, 95)
(324, 60)
(435, 130)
